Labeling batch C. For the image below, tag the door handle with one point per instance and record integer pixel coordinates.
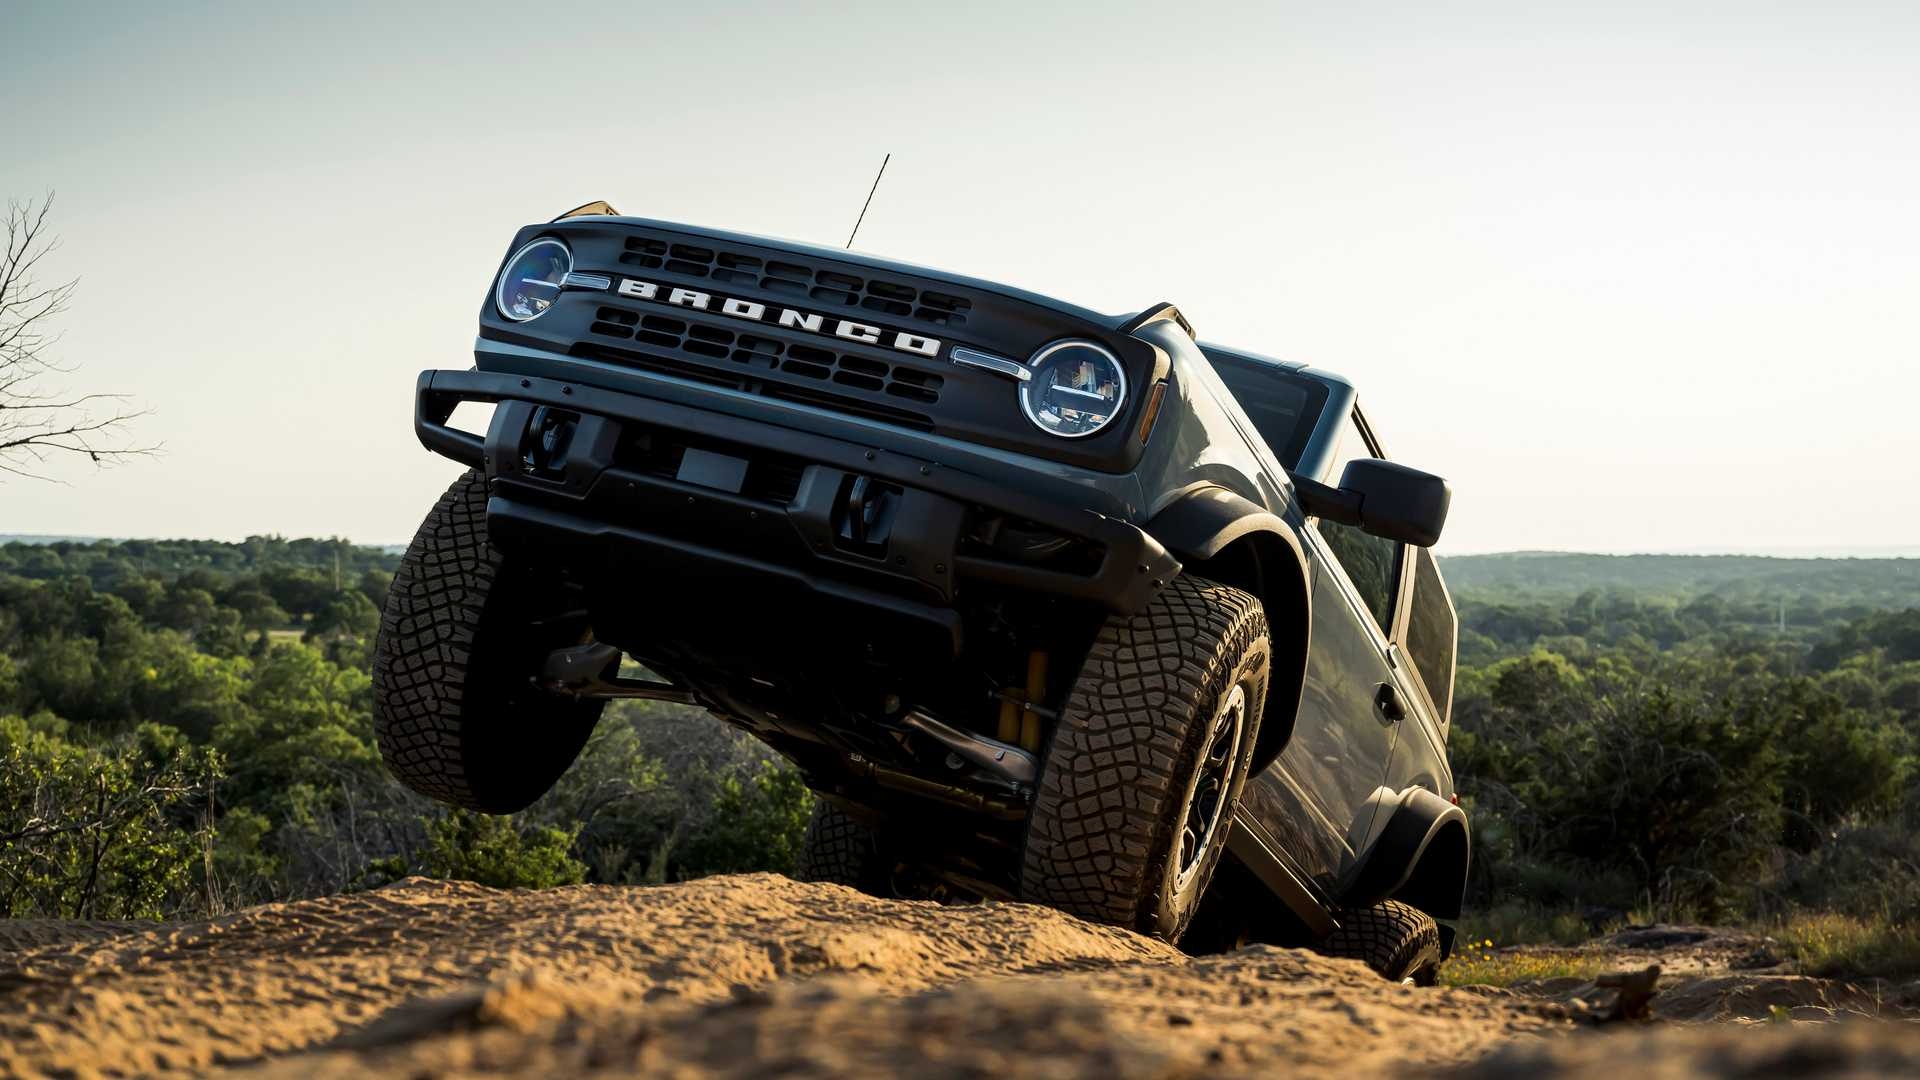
(1387, 700)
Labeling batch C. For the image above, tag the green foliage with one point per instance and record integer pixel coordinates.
(662, 793)
(1847, 947)
(758, 822)
(99, 832)
(1483, 962)
(349, 614)
(1517, 921)
(496, 851)
(186, 726)
(1893, 635)
(1666, 753)
(104, 562)
(139, 664)
(1672, 791)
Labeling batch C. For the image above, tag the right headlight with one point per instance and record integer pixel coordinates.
(532, 280)
(1077, 389)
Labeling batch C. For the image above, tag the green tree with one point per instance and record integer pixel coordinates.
(348, 614)
(257, 608)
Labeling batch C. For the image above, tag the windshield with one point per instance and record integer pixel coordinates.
(1283, 405)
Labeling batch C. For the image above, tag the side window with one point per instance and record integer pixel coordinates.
(1432, 632)
(1371, 562)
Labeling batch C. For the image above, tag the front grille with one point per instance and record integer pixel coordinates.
(757, 362)
(792, 278)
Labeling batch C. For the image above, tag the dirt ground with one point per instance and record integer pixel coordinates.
(758, 975)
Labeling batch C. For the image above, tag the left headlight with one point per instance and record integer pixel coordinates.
(532, 280)
(1076, 389)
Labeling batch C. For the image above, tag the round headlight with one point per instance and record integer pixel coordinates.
(1077, 388)
(531, 282)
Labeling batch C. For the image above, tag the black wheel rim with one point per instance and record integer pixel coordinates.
(1200, 827)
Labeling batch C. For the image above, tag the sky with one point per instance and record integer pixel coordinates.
(1633, 277)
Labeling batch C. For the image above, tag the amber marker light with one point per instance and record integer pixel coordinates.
(1152, 411)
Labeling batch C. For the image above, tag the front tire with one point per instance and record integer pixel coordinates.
(1148, 758)
(462, 637)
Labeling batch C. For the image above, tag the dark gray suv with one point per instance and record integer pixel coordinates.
(1045, 604)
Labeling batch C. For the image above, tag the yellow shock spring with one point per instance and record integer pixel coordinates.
(1009, 721)
(1036, 695)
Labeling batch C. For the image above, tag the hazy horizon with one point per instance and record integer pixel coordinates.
(1907, 552)
(1632, 278)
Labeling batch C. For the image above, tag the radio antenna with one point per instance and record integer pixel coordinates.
(869, 202)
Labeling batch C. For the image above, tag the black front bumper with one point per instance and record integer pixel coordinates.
(681, 493)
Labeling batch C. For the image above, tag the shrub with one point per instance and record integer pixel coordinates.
(115, 832)
(497, 851)
(1847, 947)
(758, 823)
(1584, 780)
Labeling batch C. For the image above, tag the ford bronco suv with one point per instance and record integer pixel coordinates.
(1044, 604)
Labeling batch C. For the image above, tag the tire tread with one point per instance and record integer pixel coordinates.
(426, 638)
(1116, 771)
(837, 848)
(1393, 938)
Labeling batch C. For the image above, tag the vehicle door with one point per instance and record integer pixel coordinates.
(1424, 645)
(1333, 770)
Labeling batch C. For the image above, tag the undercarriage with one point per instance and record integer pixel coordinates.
(948, 752)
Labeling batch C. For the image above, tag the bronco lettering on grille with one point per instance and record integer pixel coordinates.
(918, 344)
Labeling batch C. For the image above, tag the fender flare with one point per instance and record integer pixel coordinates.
(1221, 535)
(1201, 523)
(1421, 858)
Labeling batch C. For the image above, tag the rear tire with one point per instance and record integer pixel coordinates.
(462, 636)
(1148, 758)
(839, 849)
(1397, 940)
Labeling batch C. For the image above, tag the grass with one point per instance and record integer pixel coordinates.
(1481, 963)
(1820, 944)
(1478, 961)
(1845, 947)
(1525, 924)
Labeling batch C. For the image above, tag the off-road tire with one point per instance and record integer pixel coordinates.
(455, 711)
(839, 849)
(1104, 833)
(1400, 942)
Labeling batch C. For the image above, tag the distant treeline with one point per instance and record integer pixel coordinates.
(1867, 583)
(104, 562)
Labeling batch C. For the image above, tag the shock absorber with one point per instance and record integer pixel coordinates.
(1036, 695)
(1021, 710)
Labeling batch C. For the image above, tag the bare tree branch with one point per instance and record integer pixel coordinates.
(40, 422)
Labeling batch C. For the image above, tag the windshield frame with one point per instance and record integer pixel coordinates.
(1235, 369)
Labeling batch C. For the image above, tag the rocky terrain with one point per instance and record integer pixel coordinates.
(758, 975)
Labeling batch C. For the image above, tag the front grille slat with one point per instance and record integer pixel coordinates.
(757, 361)
(723, 356)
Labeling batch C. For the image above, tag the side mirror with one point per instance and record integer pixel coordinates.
(1384, 498)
